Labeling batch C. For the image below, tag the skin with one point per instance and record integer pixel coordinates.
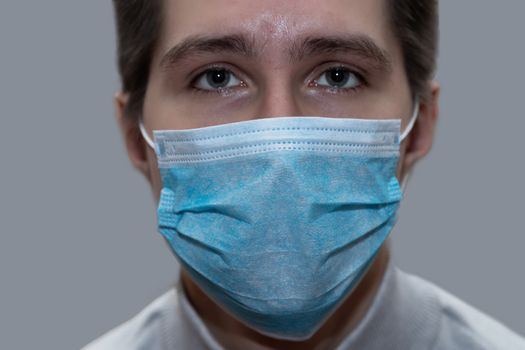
(273, 84)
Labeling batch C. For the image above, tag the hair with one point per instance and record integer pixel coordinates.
(139, 25)
(416, 26)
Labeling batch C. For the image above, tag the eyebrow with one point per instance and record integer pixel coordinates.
(196, 45)
(239, 44)
(358, 44)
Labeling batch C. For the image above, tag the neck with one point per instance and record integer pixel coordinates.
(232, 334)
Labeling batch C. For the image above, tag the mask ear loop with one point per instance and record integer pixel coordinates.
(404, 135)
(145, 135)
(411, 122)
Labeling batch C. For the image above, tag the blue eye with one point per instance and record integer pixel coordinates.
(339, 78)
(216, 79)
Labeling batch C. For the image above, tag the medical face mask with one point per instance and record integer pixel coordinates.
(277, 219)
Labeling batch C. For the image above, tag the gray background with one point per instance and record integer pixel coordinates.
(79, 252)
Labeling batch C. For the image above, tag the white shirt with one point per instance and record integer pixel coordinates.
(408, 313)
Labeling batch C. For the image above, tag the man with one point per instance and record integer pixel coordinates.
(279, 219)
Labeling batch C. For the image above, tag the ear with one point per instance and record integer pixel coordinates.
(420, 140)
(135, 145)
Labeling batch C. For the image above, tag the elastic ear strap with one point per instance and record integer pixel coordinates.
(145, 135)
(412, 120)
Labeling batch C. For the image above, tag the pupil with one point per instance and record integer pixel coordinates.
(338, 77)
(218, 78)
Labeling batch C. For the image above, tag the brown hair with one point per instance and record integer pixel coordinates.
(416, 25)
(139, 24)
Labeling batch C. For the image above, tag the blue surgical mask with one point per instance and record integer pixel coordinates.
(277, 219)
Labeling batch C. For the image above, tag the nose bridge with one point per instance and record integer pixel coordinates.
(278, 98)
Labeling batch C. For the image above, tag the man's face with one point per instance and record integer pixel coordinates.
(223, 61)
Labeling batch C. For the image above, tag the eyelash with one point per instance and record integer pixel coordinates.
(222, 91)
(312, 83)
(334, 90)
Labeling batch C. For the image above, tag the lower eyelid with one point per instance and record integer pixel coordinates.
(321, 89)
(224, 92)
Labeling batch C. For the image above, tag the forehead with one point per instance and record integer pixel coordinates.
(274, 25)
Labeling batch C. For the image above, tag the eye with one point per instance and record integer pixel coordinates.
(216, 79)
(339, 78)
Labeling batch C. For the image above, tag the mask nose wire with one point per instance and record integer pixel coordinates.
(145, 135)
